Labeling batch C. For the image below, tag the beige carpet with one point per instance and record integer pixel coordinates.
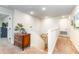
(7, 48)
(64, 46)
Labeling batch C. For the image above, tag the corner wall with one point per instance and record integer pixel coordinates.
(27, 21)
(74, 32)
(48, 24)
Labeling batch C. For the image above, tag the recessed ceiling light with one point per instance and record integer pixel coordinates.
(43, 8)
(31, 12)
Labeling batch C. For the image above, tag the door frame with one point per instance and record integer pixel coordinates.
(9, 13)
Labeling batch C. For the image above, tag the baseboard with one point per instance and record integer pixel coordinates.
(75, 45)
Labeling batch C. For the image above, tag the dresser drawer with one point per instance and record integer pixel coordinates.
(22, 40)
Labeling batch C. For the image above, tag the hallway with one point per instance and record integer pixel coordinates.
(64, 46)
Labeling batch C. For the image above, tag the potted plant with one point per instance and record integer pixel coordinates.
(5, 25)
(20, 29)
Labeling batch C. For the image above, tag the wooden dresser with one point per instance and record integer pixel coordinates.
(22, 40)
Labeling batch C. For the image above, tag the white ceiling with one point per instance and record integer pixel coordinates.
(51, 10)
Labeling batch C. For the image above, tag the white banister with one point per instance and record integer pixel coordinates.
(52, 38)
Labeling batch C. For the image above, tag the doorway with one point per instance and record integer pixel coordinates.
(3, 28)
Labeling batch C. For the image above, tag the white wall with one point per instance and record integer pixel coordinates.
(74, 35)
(74, 32)
(3, 19)
(51, 23)
(48, 23)
(52, 39)
(27, 20)
(50, 27)
(64, 24)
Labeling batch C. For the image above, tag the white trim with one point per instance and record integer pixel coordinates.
(75, 45)
(52, 39)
